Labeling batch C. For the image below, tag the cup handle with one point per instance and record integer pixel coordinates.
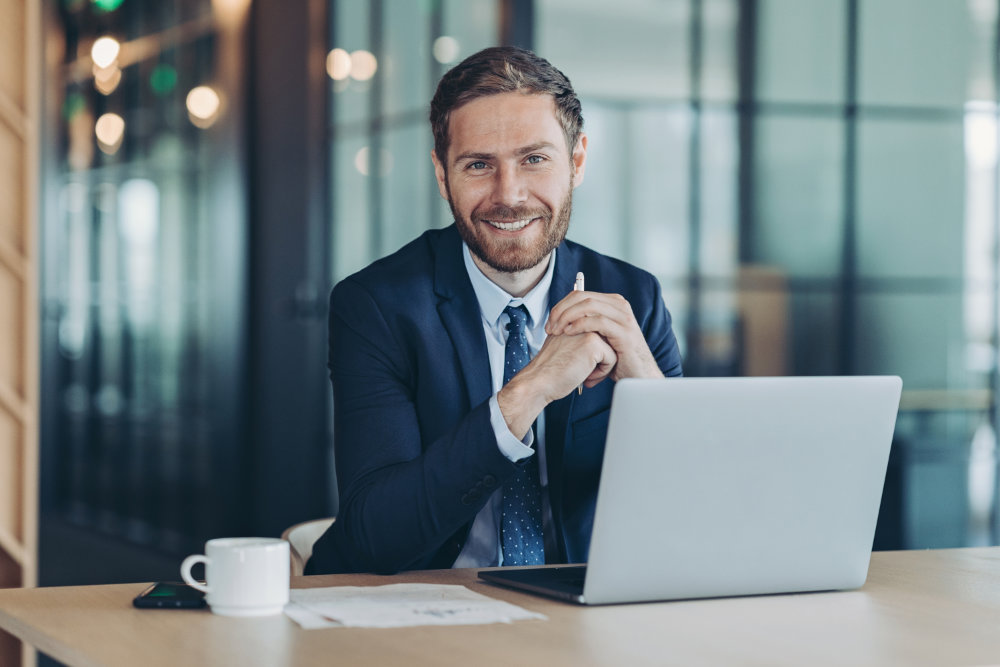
(186, 566)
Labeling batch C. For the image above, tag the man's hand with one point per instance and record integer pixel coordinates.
(563, 363)
(611, 317)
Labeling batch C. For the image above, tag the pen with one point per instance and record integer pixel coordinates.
(578, 287)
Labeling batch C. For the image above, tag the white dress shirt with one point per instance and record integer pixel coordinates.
(483, 548)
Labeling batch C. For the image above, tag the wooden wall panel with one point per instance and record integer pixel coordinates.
(13, 40)
(11, 336)
(8, 646)
(12, 182)
(20, 81)
(11, 487)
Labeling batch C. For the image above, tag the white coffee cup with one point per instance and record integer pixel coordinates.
(244, 576)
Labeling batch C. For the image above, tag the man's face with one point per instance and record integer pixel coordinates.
(509, 178)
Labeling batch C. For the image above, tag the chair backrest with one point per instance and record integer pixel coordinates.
(301, 538)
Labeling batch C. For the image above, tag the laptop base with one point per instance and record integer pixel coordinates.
(562, 583)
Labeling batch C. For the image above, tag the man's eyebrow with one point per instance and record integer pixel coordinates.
(473, 156)
(524, 150)
(541, 145)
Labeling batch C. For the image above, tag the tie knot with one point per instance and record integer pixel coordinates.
(518, 317)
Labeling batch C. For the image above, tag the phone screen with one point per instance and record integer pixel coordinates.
(169, 594)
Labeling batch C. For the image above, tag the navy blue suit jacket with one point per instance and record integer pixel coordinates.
(416, 455)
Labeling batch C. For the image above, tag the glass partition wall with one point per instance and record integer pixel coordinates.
(143, 295)
(383, 66)
(813, 181)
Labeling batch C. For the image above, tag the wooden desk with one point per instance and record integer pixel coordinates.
(918, 608)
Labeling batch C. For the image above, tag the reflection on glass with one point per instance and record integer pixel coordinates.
(106, 79)
(362, 161)
(981, 135)
(982, 483)
(79, 133)
(980, 235)
(138, 224)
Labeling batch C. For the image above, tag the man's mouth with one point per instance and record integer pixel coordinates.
(511, 226)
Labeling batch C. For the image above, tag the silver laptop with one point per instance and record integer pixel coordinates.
(716, 487)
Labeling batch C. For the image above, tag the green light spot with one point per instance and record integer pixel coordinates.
(163, 79)
(74, 104)
(106, 5)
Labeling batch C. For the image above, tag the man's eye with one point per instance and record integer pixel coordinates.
(534, 159)
(478, 164)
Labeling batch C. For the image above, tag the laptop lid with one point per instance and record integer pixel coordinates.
(739, 486)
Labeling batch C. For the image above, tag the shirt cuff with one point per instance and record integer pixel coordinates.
(512, 448)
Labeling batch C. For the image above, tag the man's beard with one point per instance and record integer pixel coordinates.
(512, 255)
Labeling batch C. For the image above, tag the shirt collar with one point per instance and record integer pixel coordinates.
(492, 299)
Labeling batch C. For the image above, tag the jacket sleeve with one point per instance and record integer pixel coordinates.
(659, 333)
(401, 499)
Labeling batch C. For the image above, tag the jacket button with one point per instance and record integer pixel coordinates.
(489, 481)
(466, 500)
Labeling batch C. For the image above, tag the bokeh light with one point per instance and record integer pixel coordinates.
(338, 64)
(363, 65)
(203, 105)
(106, 5)
(163, 79)
(105, 51)
(446, 49)
(110, 130)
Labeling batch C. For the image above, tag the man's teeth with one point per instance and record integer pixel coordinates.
(510, 226)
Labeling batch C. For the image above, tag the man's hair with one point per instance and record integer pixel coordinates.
(503, 69)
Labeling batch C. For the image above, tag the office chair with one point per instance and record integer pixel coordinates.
(301, 538)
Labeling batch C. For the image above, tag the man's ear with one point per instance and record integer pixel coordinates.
(579, 159)
(440, 175)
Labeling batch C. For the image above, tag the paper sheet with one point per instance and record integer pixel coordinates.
(398, 605)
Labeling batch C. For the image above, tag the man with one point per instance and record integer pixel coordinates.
(441, 461)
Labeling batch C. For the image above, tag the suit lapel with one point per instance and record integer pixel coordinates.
(557, 414)
(459, 311)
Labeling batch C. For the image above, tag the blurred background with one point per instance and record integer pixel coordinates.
(814, 182)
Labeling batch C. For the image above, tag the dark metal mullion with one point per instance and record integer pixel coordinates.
(994, 377)
(375, 139)
(694, 324)
(747, 109)
(436, 69)
(517, 23)
(848, 260)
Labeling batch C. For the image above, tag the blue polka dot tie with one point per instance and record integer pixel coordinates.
(521, 534)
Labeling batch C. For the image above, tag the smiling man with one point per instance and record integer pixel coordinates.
(460, 438)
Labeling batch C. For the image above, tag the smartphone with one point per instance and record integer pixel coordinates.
(170, 595)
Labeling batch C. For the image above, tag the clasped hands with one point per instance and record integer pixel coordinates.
(590, 336)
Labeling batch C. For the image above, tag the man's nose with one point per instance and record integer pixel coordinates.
(509, 188)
